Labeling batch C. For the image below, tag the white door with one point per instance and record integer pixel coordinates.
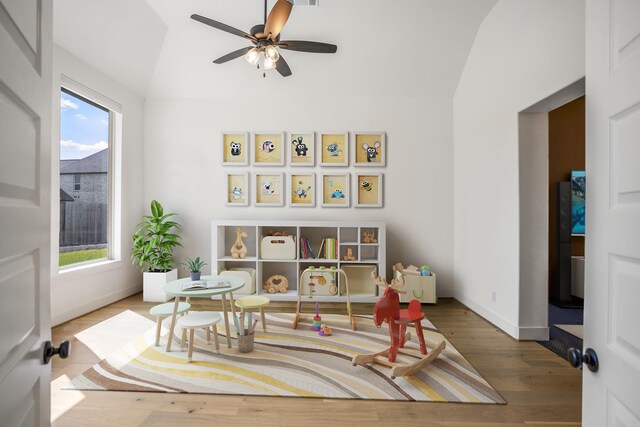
(25, 194)
(611, 396)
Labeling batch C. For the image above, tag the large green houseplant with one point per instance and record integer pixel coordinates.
(153, 244)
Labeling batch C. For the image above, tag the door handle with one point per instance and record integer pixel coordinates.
(49, 351)
(577, 359)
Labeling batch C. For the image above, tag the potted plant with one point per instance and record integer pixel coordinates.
(153, 244)
(194, 266)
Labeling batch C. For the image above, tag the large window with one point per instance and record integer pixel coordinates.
(85, 179)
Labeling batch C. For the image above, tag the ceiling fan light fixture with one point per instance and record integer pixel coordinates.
(269, 64)
(252, 56)
(271, 53)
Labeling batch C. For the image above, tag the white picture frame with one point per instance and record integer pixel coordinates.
(272, 195)
(369, 148)
(337, 156)
(302, 149)
(368, 190)
(302, 189)
(268, 148)
(237, 189)
(235, 148)
(335, 190)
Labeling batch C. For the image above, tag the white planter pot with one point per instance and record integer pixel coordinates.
(153, 285)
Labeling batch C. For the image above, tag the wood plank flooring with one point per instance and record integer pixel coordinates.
(541, 389)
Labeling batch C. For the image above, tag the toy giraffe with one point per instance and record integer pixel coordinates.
(239, 250)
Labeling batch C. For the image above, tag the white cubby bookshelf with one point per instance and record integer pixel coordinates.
(368, 256)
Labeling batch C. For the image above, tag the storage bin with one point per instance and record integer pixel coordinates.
(278, 247)
(245, 343)
(246, 274)
(422, 288)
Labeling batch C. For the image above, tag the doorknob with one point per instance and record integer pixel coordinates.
(577, 359)
(49, 351)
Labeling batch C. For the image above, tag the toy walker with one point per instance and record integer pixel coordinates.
(387, 310)
(316, 278)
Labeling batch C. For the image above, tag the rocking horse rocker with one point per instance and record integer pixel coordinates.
(387, 309)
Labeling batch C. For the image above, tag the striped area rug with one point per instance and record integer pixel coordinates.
(288, 362)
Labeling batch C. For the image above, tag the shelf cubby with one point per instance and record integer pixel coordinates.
(368, 257)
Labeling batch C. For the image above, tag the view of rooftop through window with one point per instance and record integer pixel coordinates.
(84, 180)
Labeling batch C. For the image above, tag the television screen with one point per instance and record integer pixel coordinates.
(578, 190)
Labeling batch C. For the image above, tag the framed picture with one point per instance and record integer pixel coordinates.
(334, 149)
(370, 148)
(235, 148)
(302, 190)
(269, 189)
(268, 149)
(368, 190)
(237, 189)
(578, 202)
(335, 190)
(302, 151)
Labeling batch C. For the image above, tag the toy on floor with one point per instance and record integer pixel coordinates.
(276, 283)
(316, 324)
(387, 310)
(324, 331)
(239, 250)
(333, 289)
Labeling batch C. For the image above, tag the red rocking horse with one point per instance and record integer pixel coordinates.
(387, 309)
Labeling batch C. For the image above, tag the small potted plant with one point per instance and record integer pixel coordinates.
(153, 244)
(194, 266)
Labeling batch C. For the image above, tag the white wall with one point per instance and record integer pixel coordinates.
(524, 51)
(533, 131)
(81, 290)
(182, 166)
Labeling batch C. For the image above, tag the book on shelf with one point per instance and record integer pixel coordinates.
(198, 285)
(330, 246)
(305, 248)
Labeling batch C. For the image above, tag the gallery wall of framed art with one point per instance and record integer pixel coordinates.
(325, 178)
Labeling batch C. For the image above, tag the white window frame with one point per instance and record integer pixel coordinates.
(114, 243)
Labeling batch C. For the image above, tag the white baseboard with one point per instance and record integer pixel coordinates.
(533, 333)
(524, 333)
(80, 309)
(490, 316)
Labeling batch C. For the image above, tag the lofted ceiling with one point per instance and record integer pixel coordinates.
(385, 48)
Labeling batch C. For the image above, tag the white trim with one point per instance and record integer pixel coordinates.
(533, 333)
(79, 308)
(490, 316)
(90, 94)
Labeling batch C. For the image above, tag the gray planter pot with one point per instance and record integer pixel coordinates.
(195, 275)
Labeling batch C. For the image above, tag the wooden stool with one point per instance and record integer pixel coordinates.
(165, 310)
(253, 302)
(196, 320)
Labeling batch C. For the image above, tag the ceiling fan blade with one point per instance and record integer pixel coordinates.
(283, 67)
(277, 18)
(233, 55)
(223, 27)
(307, 46)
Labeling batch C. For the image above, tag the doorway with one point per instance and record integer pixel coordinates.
(545, 123)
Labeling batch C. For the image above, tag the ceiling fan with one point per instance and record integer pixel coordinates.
(266, 39)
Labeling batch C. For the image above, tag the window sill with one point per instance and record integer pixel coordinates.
(90, 268)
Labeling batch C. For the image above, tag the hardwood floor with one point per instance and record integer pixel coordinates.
(541, 389)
